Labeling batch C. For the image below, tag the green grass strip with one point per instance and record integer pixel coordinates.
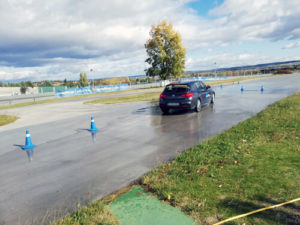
(23, 104)
(153, 96)
(252, 165)
(6, 119)
(231, 80)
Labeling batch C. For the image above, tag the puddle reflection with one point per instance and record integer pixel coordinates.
(190, 127)
(93, 135)
(29, 153)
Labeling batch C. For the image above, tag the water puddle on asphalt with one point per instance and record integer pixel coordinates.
(94, 135)
(150, 109)
(29, 153)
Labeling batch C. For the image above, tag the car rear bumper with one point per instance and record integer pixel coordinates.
(181, 105)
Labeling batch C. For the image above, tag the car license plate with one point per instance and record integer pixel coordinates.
(173, 104)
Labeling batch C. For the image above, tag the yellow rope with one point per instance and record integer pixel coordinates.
(256, 211)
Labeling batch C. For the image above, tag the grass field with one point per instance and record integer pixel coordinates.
(23, 104)
(94, 214)
(252, 165)
(153, 96)
(6, 119)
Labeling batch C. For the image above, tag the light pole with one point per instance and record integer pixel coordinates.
(215, 69)
(91, 70)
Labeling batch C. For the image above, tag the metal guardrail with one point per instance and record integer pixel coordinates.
(25, 98)
(146, 85)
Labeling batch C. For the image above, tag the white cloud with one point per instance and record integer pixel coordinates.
(292, 45)
(61, 38)
(260, 19)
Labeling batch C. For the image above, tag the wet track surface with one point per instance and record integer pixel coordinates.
(70, 165)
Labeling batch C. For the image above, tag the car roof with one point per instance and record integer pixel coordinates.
(189, 83)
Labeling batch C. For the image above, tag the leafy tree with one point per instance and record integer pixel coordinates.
(127, 80)
(83, 81)
(46, 83)
(166, 52)
(29, 84)
(71, 84)
(149, 80)
(23, 87)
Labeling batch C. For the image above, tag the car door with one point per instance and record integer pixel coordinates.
(195, 90)
(203, 93)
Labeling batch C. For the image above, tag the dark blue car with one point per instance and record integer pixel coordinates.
(188, 95)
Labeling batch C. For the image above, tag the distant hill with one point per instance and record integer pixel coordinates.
(257, 66)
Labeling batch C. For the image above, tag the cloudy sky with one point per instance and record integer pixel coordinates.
(58, 39)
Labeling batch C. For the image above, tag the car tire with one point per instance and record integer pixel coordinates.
(212, 99)
(198, 106)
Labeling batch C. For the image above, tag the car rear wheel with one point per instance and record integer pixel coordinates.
(198, 106)
(212, 99)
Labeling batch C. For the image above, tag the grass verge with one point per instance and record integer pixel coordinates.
(153, 96)
(23, 104)
(6, 119)
(250, 166)
(234, 80)
(94, 214)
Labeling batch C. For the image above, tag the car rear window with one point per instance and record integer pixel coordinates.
(177, 88)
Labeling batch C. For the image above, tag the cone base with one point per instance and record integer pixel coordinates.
(28, 147)
(93, 129)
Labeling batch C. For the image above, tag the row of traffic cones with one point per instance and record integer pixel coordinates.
(261, 88)
(29, 145)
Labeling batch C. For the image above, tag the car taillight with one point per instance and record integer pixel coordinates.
(162, 96)
(187, 95)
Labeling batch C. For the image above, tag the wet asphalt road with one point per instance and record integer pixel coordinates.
(71, 166)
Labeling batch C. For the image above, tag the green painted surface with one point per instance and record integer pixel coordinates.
(138, 208)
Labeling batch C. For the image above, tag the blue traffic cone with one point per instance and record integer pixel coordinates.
(93, 126)
(28, 144)
(242, 89)
(262, 88)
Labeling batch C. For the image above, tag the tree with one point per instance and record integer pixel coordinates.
(23, 87)
(29, 84)
(127, 80)
(166, 52)
(46, 83)
(83, 81)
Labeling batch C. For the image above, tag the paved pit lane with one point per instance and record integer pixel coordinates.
(70, 165)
